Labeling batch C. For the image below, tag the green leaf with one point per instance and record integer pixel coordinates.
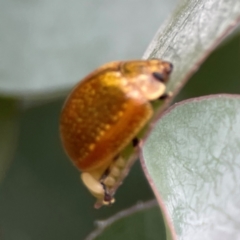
(193, 162)
(143, 221)
(191, 34)
(9, 120)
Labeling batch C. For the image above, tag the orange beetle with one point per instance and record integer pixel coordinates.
(104, 113)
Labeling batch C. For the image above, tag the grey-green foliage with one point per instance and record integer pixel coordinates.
(193, 158)
(40, 196)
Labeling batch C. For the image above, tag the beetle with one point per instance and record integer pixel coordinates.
(104, 113)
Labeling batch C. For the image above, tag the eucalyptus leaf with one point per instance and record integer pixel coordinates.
(193, 162)
(191, 33)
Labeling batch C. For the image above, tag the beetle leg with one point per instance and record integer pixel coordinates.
(105, 174)
(108, 199)
(109, 177)
(135, 142)
(165, 96)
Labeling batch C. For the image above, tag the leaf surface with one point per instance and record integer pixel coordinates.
(193, 162)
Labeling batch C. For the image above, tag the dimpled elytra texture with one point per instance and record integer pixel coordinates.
(102, 114)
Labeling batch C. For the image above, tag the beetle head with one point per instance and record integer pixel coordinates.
(149, 77)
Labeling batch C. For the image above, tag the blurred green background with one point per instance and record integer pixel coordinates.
(46, 47)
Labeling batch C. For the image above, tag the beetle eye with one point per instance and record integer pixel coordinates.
(159, 77)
